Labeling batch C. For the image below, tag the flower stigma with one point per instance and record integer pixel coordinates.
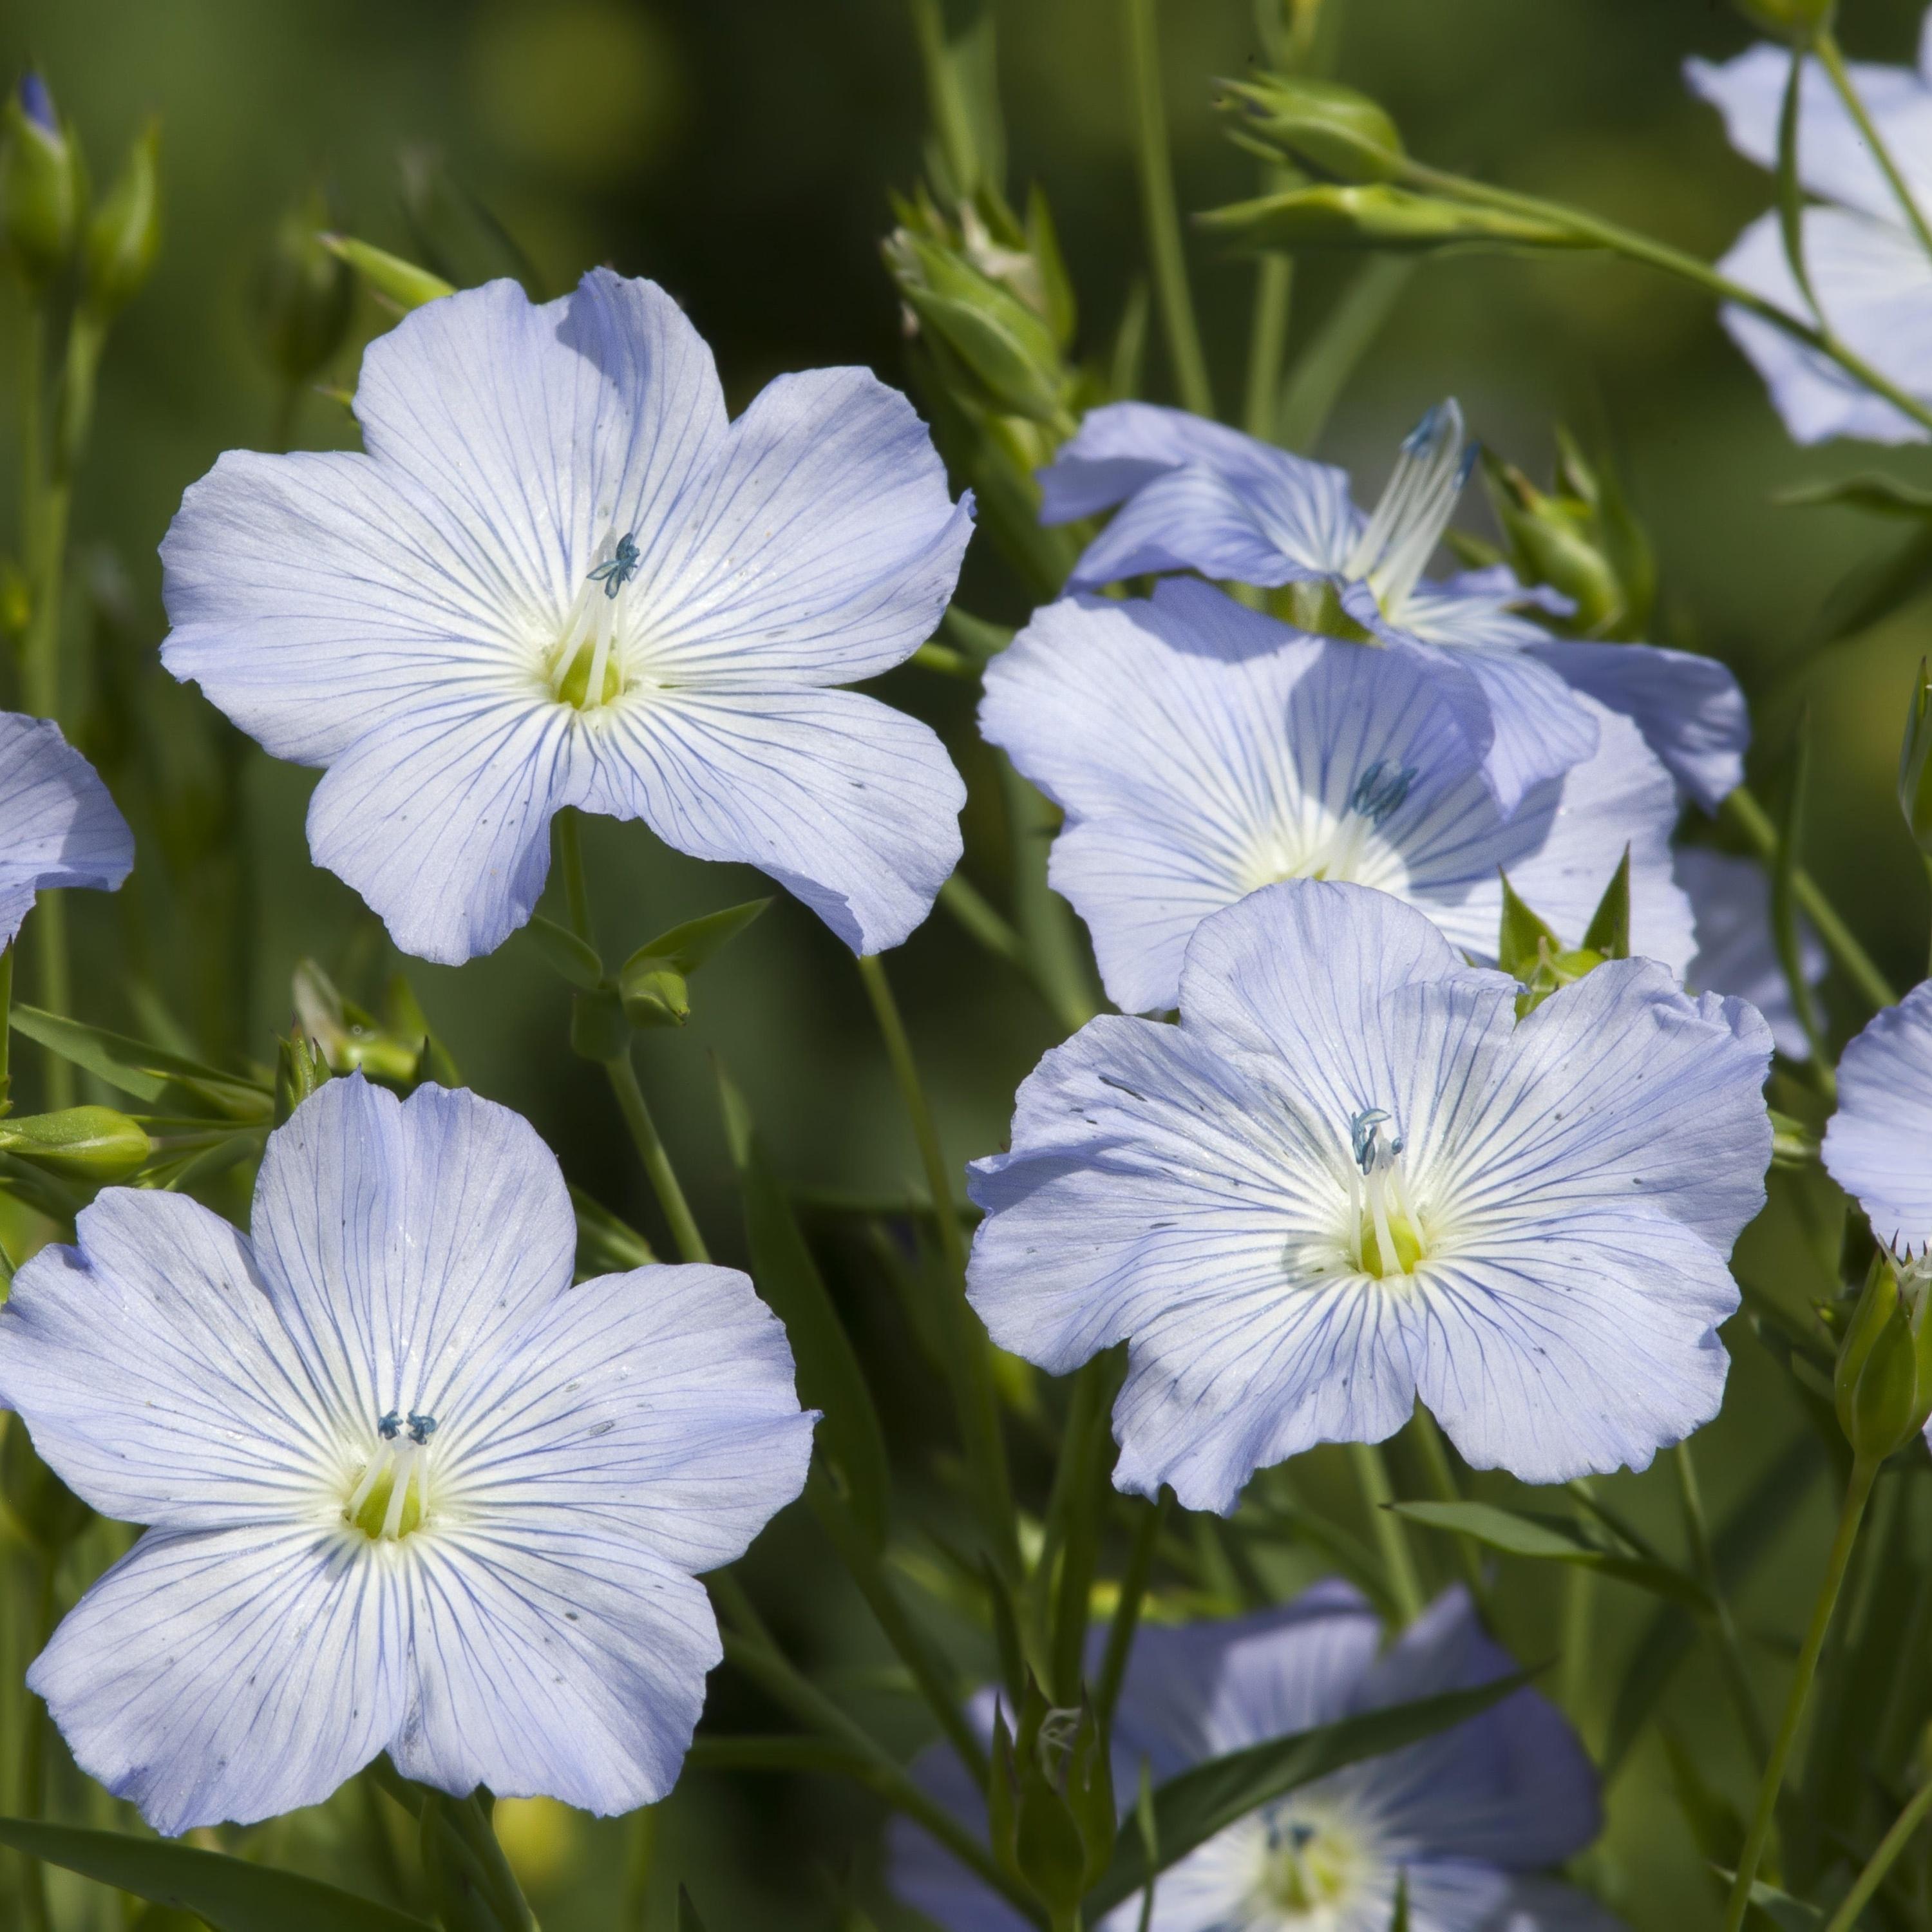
(586, 669)
(391, 1497)
(1394, 549)
(1385, 1234)
(1314, 1864)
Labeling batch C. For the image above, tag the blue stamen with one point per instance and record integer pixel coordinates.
(1471, 451)
(620, 569)
(1378, 791)
(421, 1427)
(37, 104)
(390, 1426)
(1419, 438)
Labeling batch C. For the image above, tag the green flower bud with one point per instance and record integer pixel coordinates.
(125, 232)
(349, 1038)
(1051, 1800)
(95, 1145)
(1915, 763)
(1377, 217)
(304, 294)
(43, 188)
(39, 1502)
(1796, 20)
(300, 1069)
(658, 996)
(401, 284)
(1882, 1385)
(1323, 125)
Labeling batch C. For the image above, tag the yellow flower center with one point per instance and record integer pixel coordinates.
(391, 1497)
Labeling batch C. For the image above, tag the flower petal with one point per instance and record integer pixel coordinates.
(404, 1243)
(1835, 160)
(228, 1675)
(546, 427)
(58, 827)
(1689, 708)
(851, 806)
(659, 1402)
(1877, 1144)
(562, 1661)
(440, 818)
(1538, 728)
(1875, 284)
(819, 545)
(155, 1375)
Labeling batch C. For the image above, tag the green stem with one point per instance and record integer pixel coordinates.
(638, 1868)
(1831, 58)
(969, 1361)
(748, 1645)
(1163, 217)
(570, 857)
(1076, 1517)
(1267, 336)
(1372, 1472)
(1882, 1860)
(1858, 1492)
(1751, 819)
(34, 1747)
(987, 926)
(33, 377)
(1442, 1479)
(1925, 859)
(658, 1169)
(1127, 1612)
(1637, 247)
(6, 1015)
(1730, 1646)
(1056, 957)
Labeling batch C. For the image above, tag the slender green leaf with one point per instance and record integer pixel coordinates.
(1398, 1919)
(1550, 1539)
(688, 1920)
(1190, 1809)
(606, 1244)
(576, 959)
(231, 1894)
(1786, 1913)
(1321, 371)
(400, 283)
(1521, 935)
(1783, 894)
(145, 1071)
(829, 1378)
(1883, 496)
(684, 948)
(1790, 190)
(1608, 931)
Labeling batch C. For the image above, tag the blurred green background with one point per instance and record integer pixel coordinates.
(740, 152)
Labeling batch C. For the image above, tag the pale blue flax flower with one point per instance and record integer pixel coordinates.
(1870, 272)
(409, 1490)
(1200, 751)
(1350, 1177)
(1730, 900)
(57, 825)
(1878, 1145)
(559, 576)
(1195, 496)
(1472, 1818)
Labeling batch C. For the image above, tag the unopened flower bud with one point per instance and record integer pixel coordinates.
(125, 232)
(1548, 542)
(1915, 763)
(659, 996)
(1051, 1800)
(1323, 125)
(1381, 216)
(1797, 20)
(304, 294)
(300, 1069)
(94, 1144)
(39, 1502)
(1883, 1381)
(42, 188)
(401, 284)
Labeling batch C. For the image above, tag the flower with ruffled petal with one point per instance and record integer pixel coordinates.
(1472, 1818)
(1350, 1177)
(1195, 496)
(1200, 751)
(1878, 1146)
(1870, 272)
(558, 576)
(409, 1489)
(1730, 900)
(57, 825)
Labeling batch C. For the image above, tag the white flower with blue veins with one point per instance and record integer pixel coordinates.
(57, 825)
(1871, 273)
(558, 576)
(409, 1490)
(1472, 1818)
(1195, 496)
(1350, 1177)
(1878, 1144)
(1200, 751)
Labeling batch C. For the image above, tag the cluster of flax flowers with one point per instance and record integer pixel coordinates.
(410, 1489)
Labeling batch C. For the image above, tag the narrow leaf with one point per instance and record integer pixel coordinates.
(1550, 1539)
(1190, 1809)
(145, 1071)
(576, 959)
(1790, 192)
(829, 1378)
(606, 1244)
(1321, 371)
(1608, 933)
(1784, 898)
(1883, 496)
(684, 948)
(400, 283)
(1519, 944)
(230, 1894)
(688, 1920)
